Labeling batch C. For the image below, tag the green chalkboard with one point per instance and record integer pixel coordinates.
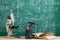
(45, 13)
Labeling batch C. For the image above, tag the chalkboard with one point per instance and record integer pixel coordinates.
(45, 13)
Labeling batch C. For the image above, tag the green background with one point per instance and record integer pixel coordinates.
(45, 13)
